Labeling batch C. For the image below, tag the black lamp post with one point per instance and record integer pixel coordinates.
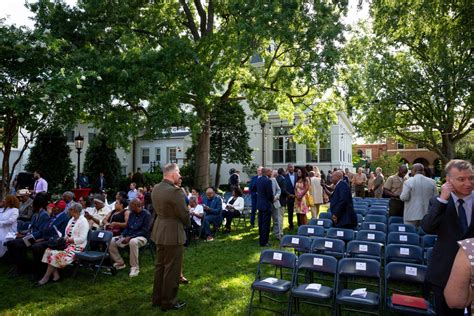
(79, 143)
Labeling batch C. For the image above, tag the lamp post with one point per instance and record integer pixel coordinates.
(79, 143)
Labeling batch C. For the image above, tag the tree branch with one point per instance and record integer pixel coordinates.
(210, 17)
(190, 20)
(202, 16)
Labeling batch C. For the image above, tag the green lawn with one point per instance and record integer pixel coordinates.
(220, 274)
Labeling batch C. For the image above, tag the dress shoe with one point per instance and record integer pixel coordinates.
(183, 280)
(176, 307)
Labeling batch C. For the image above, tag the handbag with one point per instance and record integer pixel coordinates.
(57, 243)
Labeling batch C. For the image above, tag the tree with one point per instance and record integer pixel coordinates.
(186, 59)
(412, 77)
(50, 154)
(229, 137)
(33, 94)
(102, 157)
(388, 163)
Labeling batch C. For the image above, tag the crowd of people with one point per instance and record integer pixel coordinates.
(171, 215)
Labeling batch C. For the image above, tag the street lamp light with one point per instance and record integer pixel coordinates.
(79, 143)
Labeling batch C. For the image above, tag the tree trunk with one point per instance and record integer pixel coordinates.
(201, 179)
(218, 174)
(448, 150)
(10, 132)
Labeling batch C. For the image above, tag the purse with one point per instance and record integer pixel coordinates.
(57, 243)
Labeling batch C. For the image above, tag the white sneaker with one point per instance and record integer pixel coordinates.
(119, 266)
(134, 271)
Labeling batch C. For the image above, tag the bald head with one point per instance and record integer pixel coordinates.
(336, 176)
(418, 168)
(402, 170)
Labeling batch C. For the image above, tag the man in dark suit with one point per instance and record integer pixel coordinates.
(264, 207)
(290, 197)
(342, 209)
(451, 217)
(253, 195)
(168, 233)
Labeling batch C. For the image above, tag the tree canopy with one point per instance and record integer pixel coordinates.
(411, 76)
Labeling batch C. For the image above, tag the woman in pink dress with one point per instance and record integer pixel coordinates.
(76, 239)
(301, 202)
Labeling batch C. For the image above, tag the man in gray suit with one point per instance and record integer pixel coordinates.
(169, 236)
(378, 183)
(417, 192)
(277, 217)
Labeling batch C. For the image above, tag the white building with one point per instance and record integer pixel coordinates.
(272, 147)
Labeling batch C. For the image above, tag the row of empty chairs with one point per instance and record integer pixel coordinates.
(352, 284)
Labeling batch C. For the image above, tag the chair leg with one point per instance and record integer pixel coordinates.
(251, 301)
(290, 300)
(76, 270)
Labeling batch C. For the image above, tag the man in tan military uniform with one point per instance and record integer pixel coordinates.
(169, 236)
(393, 188)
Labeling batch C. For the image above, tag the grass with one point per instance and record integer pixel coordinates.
(220, 274)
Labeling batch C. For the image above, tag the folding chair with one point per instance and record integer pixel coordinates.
(344, 234)
(364, 249)
(361, 211)
(325, 215)
(360, 220)
(421, 232)
(94, 259)
(377, 212)
(381, 227)
(403, 253)
(397, 276)
(376, 219)
(311, 231)
(351, 272)
(326, 223)
(395, 220)
(270, 283)
(315, 268)
(372, 236)
(300, 244)
(402, 228)
(429, 255)
(429, 241)
(403, 238)
(328, 246)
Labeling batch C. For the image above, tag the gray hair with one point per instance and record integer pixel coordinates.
(418, 168)
(193, 199)
(170, 167)
(69, 194)
(77, 207)
(458, 164)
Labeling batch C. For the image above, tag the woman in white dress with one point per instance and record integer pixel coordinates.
(316, 191)
(8, 220)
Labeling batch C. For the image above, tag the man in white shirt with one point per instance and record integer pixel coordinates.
(132, 194)
(40, 184)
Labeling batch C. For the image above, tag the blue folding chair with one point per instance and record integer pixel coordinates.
(421, 232)
(398, 276)
(377, 212)
(361, 211)
(300, 244)
(404, 253)
(381, 227)
(360, 219)
(372, 236)
(351, 272)
(325, 215)
(395, 220)
(403, 238)
(401, 228)
(313, 268)
(326, 223)
(364, 249)
(429, 241)
(344, 234)
(311, 231)
(376, 218)
(267, 279)
(328, 246)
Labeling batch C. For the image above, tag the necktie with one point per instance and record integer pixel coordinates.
(462, 216)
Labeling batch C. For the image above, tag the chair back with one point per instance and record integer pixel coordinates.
(328, 246)
(359, 267)
(402, 228)
(324, 222)
(317, 263)
(429, 241)
(403, 238)
(404, 253)
(405, 272)
(99, 236)
(298, 243)
(311, 231)
(283, 259)
(376, 218)
(381, 227)
(372, 236)
(325, 215)
(341, 233)
(395, 220)
(361, 211)
(364, 249)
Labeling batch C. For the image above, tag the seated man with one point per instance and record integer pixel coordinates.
(135, 236)
(17, 248)
(68, 197)
(196, 212)
(53, 230)
(212, 205)
(101, 210)
(25, 211)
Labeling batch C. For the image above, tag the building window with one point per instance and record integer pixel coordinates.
(284, 148)
(368, 153)
(70, 136)
(171, 155)
(158, 154)
(325, 149)
(400, 145)
(145, 156)
(311, 155)
(123, 170)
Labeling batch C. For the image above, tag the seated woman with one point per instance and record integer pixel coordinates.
(76, 239)
(116, 221)
(234, 206)
(8, 220)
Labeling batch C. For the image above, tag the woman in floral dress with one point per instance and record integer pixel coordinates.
(76, 239)
(301, 191)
